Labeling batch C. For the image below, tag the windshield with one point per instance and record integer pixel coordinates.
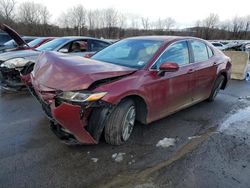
(52, 45)
(35, 42)
(133, 53)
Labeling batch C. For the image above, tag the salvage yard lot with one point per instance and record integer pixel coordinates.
(31, 156)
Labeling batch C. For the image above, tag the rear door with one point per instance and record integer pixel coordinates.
(172, 91)
(205, 68)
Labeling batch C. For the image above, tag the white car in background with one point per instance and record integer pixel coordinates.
(219, 45)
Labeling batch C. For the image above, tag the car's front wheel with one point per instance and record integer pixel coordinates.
(216, 88)
(120, 123)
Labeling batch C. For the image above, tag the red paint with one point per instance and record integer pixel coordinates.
(163, 95)
(69, 116)
(26, 79)
(54, 68)
(43, 41)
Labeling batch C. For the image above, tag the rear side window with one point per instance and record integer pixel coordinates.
(200, 51)
(210, 52)
(98, 45)
(177, 53)
(217, 44)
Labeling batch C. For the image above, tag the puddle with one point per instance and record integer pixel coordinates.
(239, 122)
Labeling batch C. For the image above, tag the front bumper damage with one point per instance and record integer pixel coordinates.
(10, 79)
(85, 123)
(75, 123)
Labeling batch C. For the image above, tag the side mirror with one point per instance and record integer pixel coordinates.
(168, 67)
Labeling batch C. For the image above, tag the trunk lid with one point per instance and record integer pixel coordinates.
(56, 71)
(13, 34)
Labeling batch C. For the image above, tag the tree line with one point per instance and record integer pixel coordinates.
(30, 18)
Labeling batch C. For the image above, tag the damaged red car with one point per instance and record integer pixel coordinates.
(136, 79)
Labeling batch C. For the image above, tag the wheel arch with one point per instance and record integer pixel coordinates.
(140, 106)
(27, 66)
(224, 74)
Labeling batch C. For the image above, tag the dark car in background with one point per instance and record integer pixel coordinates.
(30, 43)
(14, 63)
(4, 37)
(12, 45)
(17, 42)
(141, 78)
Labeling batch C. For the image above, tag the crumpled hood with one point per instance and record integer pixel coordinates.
(13, 34)
(56, 71)
(16, 54)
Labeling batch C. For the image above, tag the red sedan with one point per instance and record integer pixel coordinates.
(141, 78)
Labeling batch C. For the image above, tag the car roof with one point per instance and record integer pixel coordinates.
(81, 37)
(165, 38)
(84, 37)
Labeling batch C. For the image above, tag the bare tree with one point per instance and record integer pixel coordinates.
(134, 21)
(28, 13)
(145, 23)
(78, 18)
(247, 25)
(210, 23)
(158, 25)
(7, 8)
(168, 23)
(110, 16)
(74, 17)
(44, 15)
(237, 26)
(121, 24)
(63, 20)
(198, 28)
(110, 21)
(93, 22)
(33, 13)
(34, 16)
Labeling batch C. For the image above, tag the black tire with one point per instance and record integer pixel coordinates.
(114, 127)
(217, 86)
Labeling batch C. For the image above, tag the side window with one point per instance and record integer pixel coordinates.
(65, 48)
(177, 53)
(210, 52)
(98, 45)
(200, 51)
(79, 46)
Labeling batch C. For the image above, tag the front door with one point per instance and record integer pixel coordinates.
(171, 91)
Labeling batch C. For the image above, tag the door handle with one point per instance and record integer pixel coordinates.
(190, 71)
(215, 63)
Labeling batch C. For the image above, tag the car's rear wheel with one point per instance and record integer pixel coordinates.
(120, 123)
(216, 88)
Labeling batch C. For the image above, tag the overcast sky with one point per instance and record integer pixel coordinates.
(185, 12)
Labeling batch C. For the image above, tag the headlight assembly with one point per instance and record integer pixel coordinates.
(78, 97)
(15, 63)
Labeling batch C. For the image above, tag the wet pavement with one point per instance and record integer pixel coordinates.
(211, 148)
